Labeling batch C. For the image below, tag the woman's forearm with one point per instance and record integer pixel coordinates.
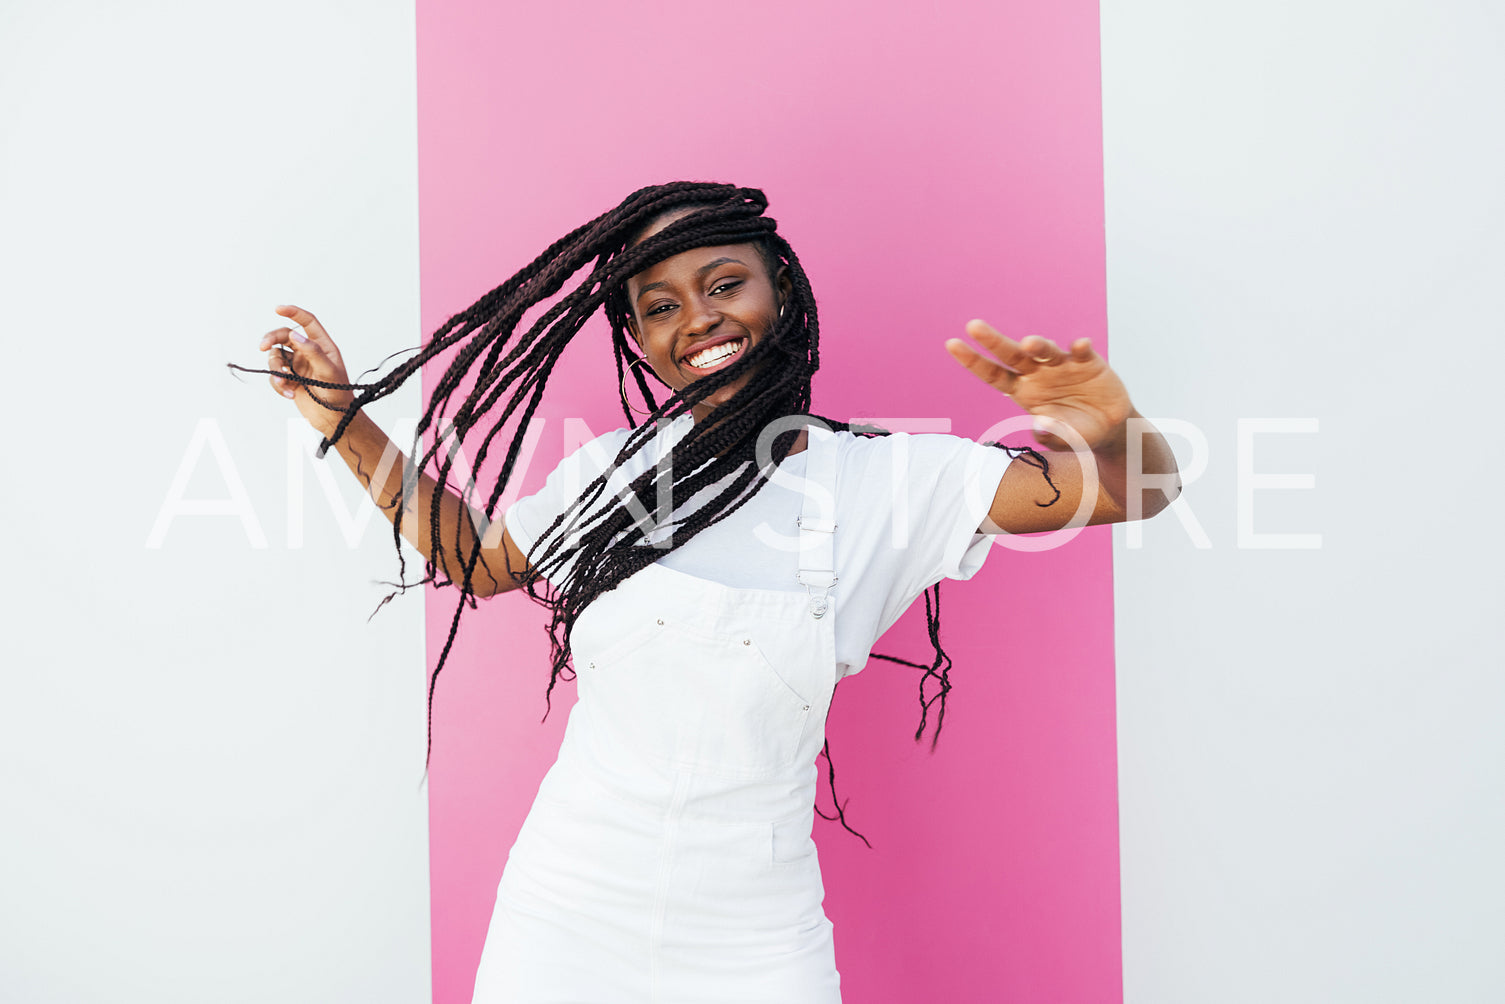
(379, 465)
(1121, 482)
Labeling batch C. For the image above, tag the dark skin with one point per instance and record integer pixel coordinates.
(724, 300)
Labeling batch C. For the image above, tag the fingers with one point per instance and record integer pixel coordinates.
(289, 351)
(274, 344)
(305, 366)
(314, 331)
(1005, 349)
(1044, 352)
(306, 349)
(307, 321)
(281, 336)
(983, 368)
(1024, 356)
(1029, 353)
(279, 360)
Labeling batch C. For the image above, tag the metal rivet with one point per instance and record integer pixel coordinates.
(747, 641)
(592, 666)
(661, 620)
(807, 707)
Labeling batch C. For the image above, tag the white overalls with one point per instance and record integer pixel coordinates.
(668, 858)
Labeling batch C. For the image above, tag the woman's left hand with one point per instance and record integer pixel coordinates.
(1076, 387)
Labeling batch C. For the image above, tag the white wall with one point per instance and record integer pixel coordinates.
(1305, 220)
(212, 763)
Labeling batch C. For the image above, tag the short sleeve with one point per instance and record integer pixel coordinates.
(917, 503)
(530, 517)
(908, 511)
(952, 482)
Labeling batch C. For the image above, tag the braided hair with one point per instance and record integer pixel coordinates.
(499, 373)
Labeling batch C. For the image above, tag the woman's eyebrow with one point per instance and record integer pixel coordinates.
(714, 263)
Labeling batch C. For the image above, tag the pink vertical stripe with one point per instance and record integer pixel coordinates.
(928, 167)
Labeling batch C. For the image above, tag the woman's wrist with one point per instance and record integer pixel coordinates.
(328, 419)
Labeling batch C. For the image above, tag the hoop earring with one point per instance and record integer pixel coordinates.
(625, 399)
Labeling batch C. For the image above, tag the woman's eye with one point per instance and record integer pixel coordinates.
(727, 286)
(660, 309)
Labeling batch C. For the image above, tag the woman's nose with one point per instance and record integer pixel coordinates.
(699, 317)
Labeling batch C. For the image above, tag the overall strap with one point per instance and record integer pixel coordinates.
(817, 520)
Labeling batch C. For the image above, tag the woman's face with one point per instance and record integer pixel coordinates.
(697, 312)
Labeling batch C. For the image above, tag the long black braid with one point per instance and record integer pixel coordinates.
(497, 379)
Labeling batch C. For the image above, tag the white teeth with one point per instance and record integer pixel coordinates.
(714, 354)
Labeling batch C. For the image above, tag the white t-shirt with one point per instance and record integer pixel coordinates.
(907, 510)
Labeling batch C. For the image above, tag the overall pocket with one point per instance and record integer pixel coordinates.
(705, 703)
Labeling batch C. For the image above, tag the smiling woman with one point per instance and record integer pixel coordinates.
(712, 572)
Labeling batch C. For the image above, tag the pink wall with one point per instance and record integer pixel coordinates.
(928, 167)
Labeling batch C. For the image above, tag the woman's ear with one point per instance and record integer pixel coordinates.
(632, 329)
(785, 286)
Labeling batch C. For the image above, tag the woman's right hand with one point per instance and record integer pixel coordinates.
(313, 355)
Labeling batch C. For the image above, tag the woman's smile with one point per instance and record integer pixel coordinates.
(715, 354)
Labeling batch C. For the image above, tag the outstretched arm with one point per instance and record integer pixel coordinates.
(1077, 401)
(378, 464)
